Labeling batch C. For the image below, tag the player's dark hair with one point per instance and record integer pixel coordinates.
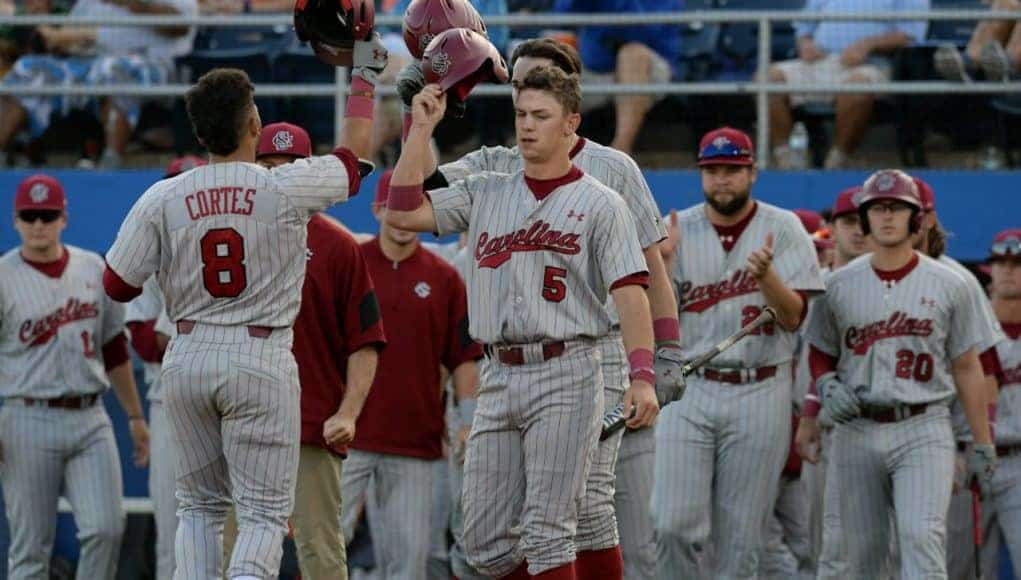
(218, 108)
(936, 240)
(563, 56)
(562, 86)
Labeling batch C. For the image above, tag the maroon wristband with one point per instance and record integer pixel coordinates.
(667, 331)
(405, 197)
(640, 362)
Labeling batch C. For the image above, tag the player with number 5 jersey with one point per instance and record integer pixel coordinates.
(891, 340)
(227, 242)
(548, 243)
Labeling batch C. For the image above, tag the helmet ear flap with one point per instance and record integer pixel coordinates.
(863, 219)
(915, 225)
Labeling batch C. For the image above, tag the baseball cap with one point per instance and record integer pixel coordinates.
(284, 139)
(926, 194)
(383, 188)
(40, 191)
(182, 164)
(726, 146)
(810, 219)
(844, 203)
(1006, 244)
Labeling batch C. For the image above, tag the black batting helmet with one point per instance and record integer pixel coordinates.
(333, 26)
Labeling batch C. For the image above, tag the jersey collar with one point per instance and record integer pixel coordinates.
(892, 276)
(578, 146)
(51, 269)
(543, 187)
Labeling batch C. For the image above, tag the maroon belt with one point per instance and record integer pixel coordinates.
(186, 326)
(515, 355)
(739, 377)
(70, 402)
(893, 414)
(1001, 450)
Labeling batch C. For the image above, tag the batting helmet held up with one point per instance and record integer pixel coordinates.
(424, 19)
(458, 59)
(333, 26)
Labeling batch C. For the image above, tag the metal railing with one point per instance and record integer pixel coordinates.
(760, 89)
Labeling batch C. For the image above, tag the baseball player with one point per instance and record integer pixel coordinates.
(548, 243)
(337, 338)
(397, 464)
(141, 315)
(606, 508)
(62, 344)
(1001, 518)
(720, 450)
(892, 338)
(227, 242)
(813, 434)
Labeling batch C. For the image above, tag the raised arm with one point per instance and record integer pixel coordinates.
(407, 207)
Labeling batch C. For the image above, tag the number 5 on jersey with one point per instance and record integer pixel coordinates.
(223, 263)
(554, 289)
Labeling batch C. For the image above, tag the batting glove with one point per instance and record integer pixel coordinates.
(410, 81)
(838, 399)
(670, 383)
(982, 464)
(369, 58)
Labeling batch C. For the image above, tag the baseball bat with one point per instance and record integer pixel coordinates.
(976, 521)
(614, 420)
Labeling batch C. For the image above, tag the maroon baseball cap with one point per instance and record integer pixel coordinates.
(810, 219)
(383, 188)
(844, 203)
(284, 139)
(182, 164)
(1006, 244)
(726, 146)
(40, 191)
(926, 194)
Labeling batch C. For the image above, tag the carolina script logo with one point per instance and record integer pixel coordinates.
(493, 252)
(41, 331)
(860, 338)
(701, 298)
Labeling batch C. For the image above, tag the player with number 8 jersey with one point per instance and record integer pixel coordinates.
(227, 242)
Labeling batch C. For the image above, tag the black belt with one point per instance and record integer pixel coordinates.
(739, 376)
(515, 355)
(893, 414)
(69, 402)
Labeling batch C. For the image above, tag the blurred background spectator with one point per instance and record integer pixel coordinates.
(840, 52)
(994, 50)
(627, 54)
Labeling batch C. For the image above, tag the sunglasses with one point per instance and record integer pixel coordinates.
(1007, 247)
(727, 149)
(47, 216)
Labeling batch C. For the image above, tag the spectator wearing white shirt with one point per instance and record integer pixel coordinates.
(840, 52)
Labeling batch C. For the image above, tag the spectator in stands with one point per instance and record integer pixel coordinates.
(994, 49)
(840, 52)
(627, 55)
(102, 56)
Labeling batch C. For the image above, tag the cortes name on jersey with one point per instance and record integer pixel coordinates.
(218, 201)
(859, 338)
(701, 298)
(39, 332)
(494, 252)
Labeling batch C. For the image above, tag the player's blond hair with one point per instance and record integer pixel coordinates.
(564, 87)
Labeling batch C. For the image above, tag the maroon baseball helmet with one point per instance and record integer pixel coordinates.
(424, 19)
(458, 59)
(333, 26)
(845, 202)
(926, 194)
(889, 184)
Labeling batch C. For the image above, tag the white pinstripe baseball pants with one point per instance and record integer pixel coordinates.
(233, 404)
(162, 483)
(635, 465)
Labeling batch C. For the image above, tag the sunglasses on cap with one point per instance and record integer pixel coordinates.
(727, 149)
(47, 216)
(1007, 247)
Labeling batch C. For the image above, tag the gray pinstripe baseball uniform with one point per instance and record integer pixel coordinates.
(541, 273)
(720, 450)
(51, 333)
(149, 306)
(603, 511)
(894, 338)
(227, 243)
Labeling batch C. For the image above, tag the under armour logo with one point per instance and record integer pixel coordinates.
(283, 140)
(39, 192)
(578, 216)
(930, 302)
(378, 54)
(308, 254)
(422, 290)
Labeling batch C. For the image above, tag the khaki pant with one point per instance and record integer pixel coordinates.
(316, 519)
